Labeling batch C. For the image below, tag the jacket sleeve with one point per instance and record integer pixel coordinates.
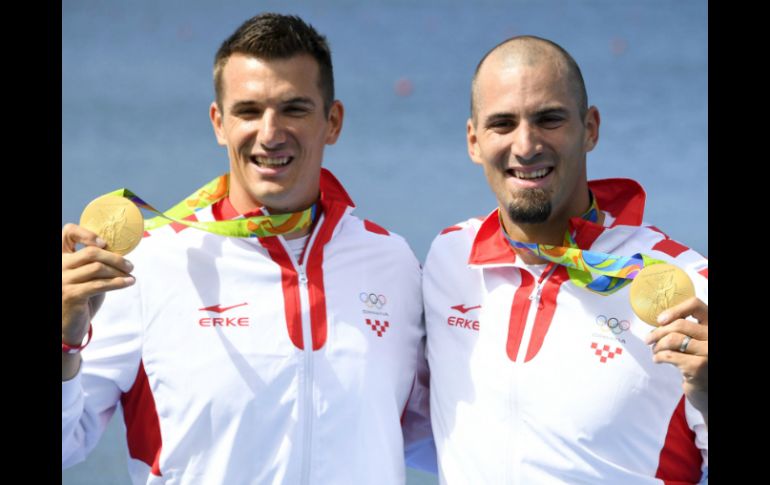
(698, 271)
(109, 366)
(419, 447)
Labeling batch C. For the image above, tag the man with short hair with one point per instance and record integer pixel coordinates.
(540, 371)
(293, 356)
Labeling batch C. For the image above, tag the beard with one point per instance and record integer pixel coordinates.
(531, 206)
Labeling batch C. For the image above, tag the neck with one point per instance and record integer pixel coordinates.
(246, 203)
(550, 232)
(247, 207)
(544, 233)
(298, 234)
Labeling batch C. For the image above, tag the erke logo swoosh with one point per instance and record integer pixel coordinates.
(218, 309)
(462, 309)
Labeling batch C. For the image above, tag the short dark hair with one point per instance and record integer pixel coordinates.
(275, 36)
(574, 75)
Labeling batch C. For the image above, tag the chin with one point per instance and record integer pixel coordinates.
(533, 208)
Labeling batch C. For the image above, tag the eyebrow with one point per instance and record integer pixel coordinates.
(498, 117)
(549, 110)
(299, 100)
(240, 105)
(553, 110)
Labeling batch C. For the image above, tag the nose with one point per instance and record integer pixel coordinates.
(271, 134)
(526, 146)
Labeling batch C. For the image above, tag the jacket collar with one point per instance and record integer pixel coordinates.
(621, 199)
(333, 194)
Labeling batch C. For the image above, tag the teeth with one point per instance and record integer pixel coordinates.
(531, 175)
(272, 162)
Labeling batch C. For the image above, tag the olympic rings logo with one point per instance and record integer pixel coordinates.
(617, 326)
(372, 300)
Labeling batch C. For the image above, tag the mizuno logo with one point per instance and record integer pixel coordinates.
(218, 309)
(462, 309)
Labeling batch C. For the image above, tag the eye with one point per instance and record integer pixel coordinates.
(501, 125)
(247, 113)
(551, 121)
(296, 110)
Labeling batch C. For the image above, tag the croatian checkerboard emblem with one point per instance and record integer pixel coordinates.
(378, 326)
(605, 352)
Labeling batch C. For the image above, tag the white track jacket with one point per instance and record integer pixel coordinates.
(235, 364)
(537, 381)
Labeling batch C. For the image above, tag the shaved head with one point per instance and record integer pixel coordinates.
(530, 51)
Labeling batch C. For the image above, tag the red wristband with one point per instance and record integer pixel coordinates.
(72, 349)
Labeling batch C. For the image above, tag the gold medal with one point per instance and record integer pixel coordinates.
(116, 220)
(659, 287)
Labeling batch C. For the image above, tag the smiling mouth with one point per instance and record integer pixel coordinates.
(533, 175)
(270, 162)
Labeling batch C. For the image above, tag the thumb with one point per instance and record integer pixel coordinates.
(72, 234)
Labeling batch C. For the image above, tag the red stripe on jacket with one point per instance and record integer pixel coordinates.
(546, 309)
(333, 203)
(680, 460)
(142, 423)
(518, 317)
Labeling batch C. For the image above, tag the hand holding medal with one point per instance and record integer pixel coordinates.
(111, 223)
(664, 296)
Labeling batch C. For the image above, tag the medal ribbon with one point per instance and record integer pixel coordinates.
(217, 189)
(614, 272)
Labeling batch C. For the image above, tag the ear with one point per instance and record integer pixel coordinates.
(336, 114)
(216, 121)
(473, 146)
(591, 123)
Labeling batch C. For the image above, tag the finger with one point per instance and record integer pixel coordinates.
(677, 342)
(684, 327)
(691, 307)
(691, 366)
(83, 291)
(94, 254)
(92, 271)
(72, 234)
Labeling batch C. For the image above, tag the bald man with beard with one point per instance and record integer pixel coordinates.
(539, 375)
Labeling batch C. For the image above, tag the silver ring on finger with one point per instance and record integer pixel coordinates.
(685, 343)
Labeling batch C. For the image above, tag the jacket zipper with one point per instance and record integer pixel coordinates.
(307, 384)
(534, 298)
(306, 387)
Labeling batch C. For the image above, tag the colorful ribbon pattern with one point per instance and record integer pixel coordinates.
(217, 189)
(614, 272)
